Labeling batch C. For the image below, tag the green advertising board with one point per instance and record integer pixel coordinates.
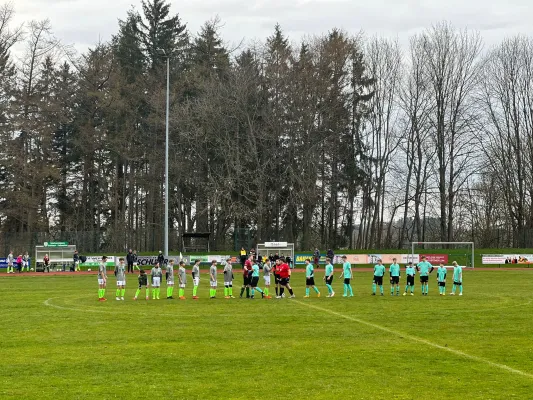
(55, 244)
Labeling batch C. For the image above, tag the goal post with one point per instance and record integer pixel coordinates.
(468, 247)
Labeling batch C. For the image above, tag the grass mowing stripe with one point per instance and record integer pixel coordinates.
(417, 339)
(48, 303)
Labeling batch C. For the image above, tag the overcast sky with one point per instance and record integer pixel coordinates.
(84, 22)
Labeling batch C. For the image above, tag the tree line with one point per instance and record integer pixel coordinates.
(333, 141)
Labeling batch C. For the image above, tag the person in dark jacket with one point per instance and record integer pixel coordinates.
(161, 258)
(130, 260)
(76, 258)
(330, 254)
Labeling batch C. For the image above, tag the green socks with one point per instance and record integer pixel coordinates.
(316, 290)
(392, 290)
(181, 293)
(266, 291)
(374, 288)
(307, 291)
(194, 289)
(170, 291)
(122, 292)
(330, 289)
(137, 293)
(212, 292)
(226, 290)
(381, 289)
(118, 292)
(350, 290)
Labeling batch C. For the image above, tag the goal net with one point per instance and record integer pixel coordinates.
(444, 252)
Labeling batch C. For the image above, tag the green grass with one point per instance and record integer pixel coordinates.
(58, 342)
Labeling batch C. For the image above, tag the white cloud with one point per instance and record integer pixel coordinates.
(84, 23)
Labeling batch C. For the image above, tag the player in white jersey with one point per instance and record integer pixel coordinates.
(26, 261)
(170, 279)
(120, 273)
(213, 280)
(10, 263)
(267, 270)
(157, 275)
(102, 279)
(182, 276)
(228, 279)
(195, 279)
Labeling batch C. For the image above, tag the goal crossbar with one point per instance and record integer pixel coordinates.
(413, 244)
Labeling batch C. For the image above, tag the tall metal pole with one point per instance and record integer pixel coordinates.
(166, 159)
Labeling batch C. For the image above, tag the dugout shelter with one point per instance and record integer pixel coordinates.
(61, 255)
(282, 248)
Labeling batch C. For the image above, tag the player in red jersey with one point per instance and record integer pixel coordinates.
(284, 275)
(247, 276)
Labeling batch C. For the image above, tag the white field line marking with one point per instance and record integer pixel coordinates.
(419, 340)
(476, 310)
(48, 303)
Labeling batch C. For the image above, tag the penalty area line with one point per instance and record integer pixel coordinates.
(419, 340)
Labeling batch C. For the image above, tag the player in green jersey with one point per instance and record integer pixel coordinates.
(457, 279)
(169, 275)
(379, 271)
(441, 279)
(394, 271)
(410, 273)
(347, 275)
(102, 279)
(120, 274)
(310, 278)
(255, 280)
(424, 268)
(328, 277)
(157, 275)
(182, 276)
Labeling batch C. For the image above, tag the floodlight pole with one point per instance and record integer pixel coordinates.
(166, 158)
(167, 56)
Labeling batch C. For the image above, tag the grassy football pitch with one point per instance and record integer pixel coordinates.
(59, 342)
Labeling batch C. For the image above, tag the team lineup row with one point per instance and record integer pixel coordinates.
(282, 274)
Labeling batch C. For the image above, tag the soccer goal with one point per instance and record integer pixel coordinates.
(444, 252)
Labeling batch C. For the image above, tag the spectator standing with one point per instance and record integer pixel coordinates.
(161, 258)
(130, 261)
(316, 257)
(243, 255)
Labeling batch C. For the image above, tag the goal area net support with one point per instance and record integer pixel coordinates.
(461, 252)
